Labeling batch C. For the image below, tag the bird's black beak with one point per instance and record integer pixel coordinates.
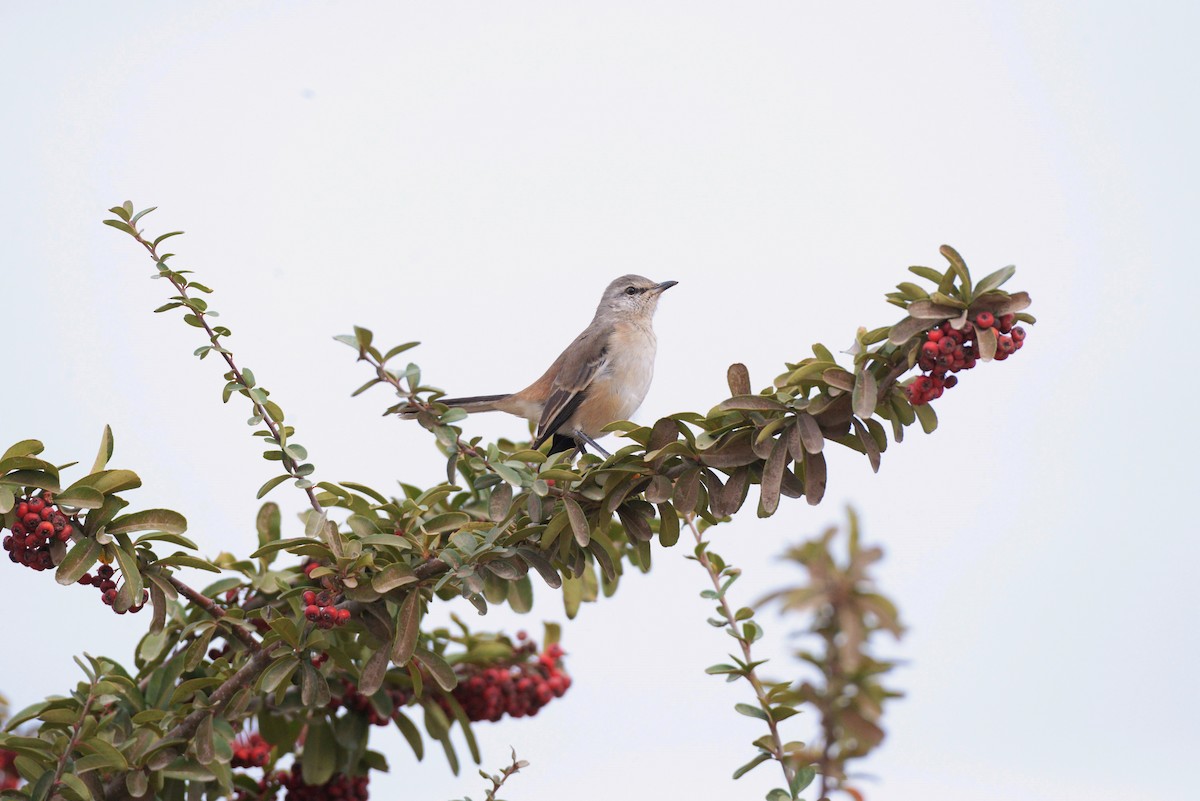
(664, 286)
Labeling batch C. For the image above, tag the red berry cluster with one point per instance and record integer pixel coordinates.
(104, 582)
(9, 778)
(320, 608)
(341, 786)
(947, 350)
(37, 524)
(251, 751)
(519, 689)
(355, 701)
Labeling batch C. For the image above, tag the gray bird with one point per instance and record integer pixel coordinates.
(600, 378)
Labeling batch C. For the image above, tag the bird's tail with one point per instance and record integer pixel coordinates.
(475, 403)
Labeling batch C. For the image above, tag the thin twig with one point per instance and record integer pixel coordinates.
(260, 409)
(498, 781)
(74, 743)
(244, 676)
(211, 607)
(750, 675)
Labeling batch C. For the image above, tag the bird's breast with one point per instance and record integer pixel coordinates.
(628, 374)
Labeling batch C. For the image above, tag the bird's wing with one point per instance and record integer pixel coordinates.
(582, 362)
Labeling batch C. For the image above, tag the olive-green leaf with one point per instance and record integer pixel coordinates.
(408, 626)
(393, 576)
(578, 520)
(106, 450)
(78, 561)
(318, 761)
(149, 520)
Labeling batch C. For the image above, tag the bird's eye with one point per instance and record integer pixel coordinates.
(631, 290)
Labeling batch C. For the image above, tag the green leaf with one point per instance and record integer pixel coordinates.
(284, 544)
(751, 711)
(110, 481)
(438, 667)
(32, 478)
(779, 794)
(393, 576)
(579, 522)
(408, 626)
(81, 497)
(121, 225)
(411, 733)
(163, 536)
(396, 351)
(314, 689)
(927, 416)
(181, 559)
(106, 450)
(279, 671)
(165, 236)
(26, 447)
(318, 761)
(129, 572)
(271, 484)
(717, 670)
(268, 523)
(77, 561)
(77, 790)
(751, 765)
(994, 280)
(150, 520)
(804, 777)
(371, 677)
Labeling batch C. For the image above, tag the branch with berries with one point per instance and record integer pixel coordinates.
(349, 617)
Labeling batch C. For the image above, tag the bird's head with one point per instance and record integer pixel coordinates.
(632, 296)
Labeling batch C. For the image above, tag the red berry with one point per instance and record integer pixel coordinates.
(934, 335)
(1005, 344)
(951, 380)
(22, 509)
(1018, 334)
(930, 349)
(985, 319)
(45, 529)
(310, 597)
(36, 505)
(1006, 323)
(31, 521)
(343, 615)
(312, 611)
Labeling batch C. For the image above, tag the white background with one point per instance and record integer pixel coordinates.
(473, 174)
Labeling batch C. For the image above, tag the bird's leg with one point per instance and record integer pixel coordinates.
(582, 439)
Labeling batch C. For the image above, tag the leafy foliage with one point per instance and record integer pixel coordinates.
(241, 652)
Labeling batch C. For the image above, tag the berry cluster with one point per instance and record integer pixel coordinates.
(104, 582)
(947, 350)
(355, 701)
(37, 525)
(251, 751)
(340, 787)
(9, 778)
(519, 689)
(320, 608)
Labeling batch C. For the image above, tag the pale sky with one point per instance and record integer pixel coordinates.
(472, 174)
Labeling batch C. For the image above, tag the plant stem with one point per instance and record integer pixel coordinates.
(71, 746)
(289, 463)
(245, 675)
(210, 606)
(750, 675)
